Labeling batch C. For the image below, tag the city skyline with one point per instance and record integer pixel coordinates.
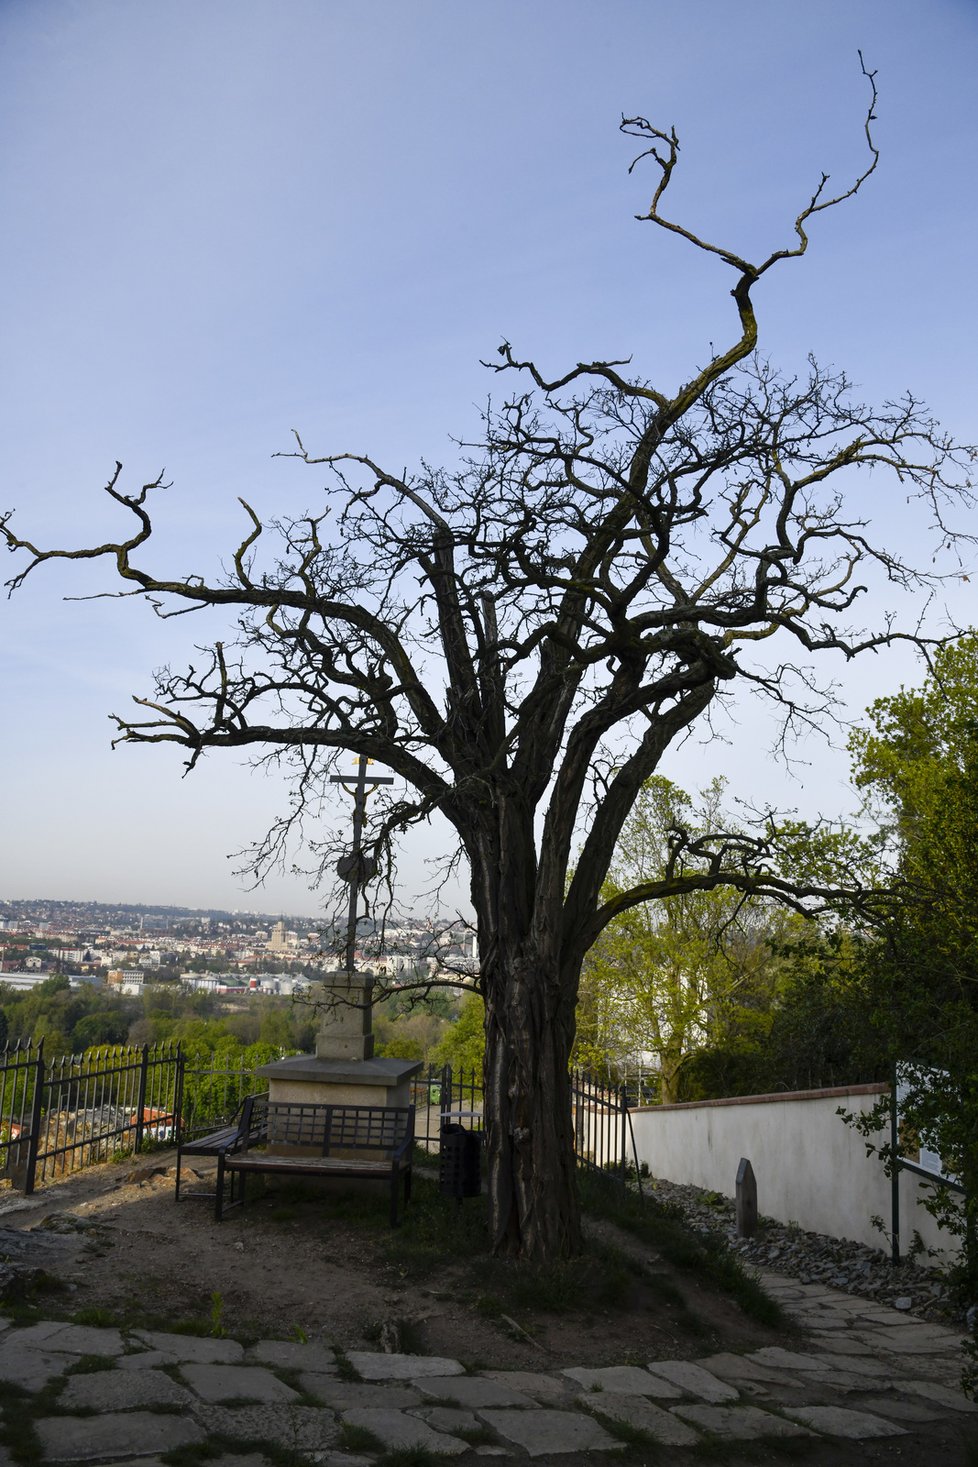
(233, 221)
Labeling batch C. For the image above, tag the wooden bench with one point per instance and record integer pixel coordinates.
(372, 1142)
(245, 1128)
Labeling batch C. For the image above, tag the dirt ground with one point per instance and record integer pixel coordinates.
(118, 1242)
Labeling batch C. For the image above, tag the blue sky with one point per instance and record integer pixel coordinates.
(224, 221)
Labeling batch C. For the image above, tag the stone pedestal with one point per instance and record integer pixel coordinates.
(343, 1071)
(306, 1077)
(344, 1030)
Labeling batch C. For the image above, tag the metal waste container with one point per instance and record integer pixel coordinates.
(460, 1162)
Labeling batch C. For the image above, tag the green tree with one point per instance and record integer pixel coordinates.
(463, 1044)
(692, 970)
(819, 1030)
(917, 762)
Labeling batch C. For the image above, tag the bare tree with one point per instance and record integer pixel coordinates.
(522, 637)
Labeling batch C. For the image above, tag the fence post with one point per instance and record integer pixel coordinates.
(178, 1096)
(34, 1135)
(895, 1173)
(623, 1113)
(141, 1095)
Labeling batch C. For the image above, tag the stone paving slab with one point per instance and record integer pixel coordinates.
(841, 1345)
(903, 1342)
(740, 1369)
(471, 1390)
(694, 1380)
(840, 1421)
(31, 1369)
(898, 1408)
(624, 1380)
(302, 1428)
(201, 1349)
(941, 1395)
(131, 1433)
(216, 1383)
(348, 1395)
(540, 1432)
(117, 1390)
(786, 1359)
(548, 1388)
(373, 1366)
(294, 1356)
(396, 1429)
(450, 1419)
(638, 1411)
(73, 1339)
(740, 1423)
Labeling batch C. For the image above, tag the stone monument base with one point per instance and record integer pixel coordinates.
(307, 1078)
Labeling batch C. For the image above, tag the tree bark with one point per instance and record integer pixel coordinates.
(534, 1211)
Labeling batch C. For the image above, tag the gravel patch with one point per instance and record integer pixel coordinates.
(812, 1258)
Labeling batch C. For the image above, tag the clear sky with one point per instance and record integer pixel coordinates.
(224, 221)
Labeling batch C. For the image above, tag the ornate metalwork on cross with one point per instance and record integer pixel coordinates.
(356, 867)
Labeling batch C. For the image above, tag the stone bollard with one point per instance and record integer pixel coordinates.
(746, 1200)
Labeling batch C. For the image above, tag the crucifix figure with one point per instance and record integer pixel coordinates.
(356, 868)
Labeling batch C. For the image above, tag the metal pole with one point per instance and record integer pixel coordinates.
(895, 1173)
(33, 1140)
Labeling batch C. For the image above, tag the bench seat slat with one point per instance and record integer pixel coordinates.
(310, 1164)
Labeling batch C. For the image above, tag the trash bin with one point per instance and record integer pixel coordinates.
(460, 1163)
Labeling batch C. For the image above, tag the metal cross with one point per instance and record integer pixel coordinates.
(355, 868)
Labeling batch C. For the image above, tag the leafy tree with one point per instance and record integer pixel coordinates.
(689, 971)
(463, 1044)
(917, 762)
(522, 637)
(818, 1030)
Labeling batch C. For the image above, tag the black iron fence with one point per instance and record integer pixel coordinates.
(604, 1141)
(73, 1111)
(442, 1095)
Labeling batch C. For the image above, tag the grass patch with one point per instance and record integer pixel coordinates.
(217, 1446)
(17, 1428)
(664, 1227)
(630, 1436)
(409, 1457)
(358, 1439)
(91, 1365)
(345, 1369)
(98, 1318)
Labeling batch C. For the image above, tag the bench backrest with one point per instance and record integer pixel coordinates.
(253, 1118)
(332, 1128)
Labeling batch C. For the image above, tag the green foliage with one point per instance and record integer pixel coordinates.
(671, 976)
(917, 763)
(463, 1045)
(403, 1030)
(819, 1031)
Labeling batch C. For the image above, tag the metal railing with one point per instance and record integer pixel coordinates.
(604, 1142)
(74, 1111)
(440, 1093)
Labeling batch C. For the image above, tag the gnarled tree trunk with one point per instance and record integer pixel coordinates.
(529, 1136)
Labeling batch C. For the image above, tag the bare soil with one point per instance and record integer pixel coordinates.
(293, 1262)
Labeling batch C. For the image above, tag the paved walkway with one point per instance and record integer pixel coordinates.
(74, 1393)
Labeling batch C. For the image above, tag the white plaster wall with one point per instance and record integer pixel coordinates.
(811, 1168)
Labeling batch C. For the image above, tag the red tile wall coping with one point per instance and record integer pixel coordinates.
(781, 1095)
